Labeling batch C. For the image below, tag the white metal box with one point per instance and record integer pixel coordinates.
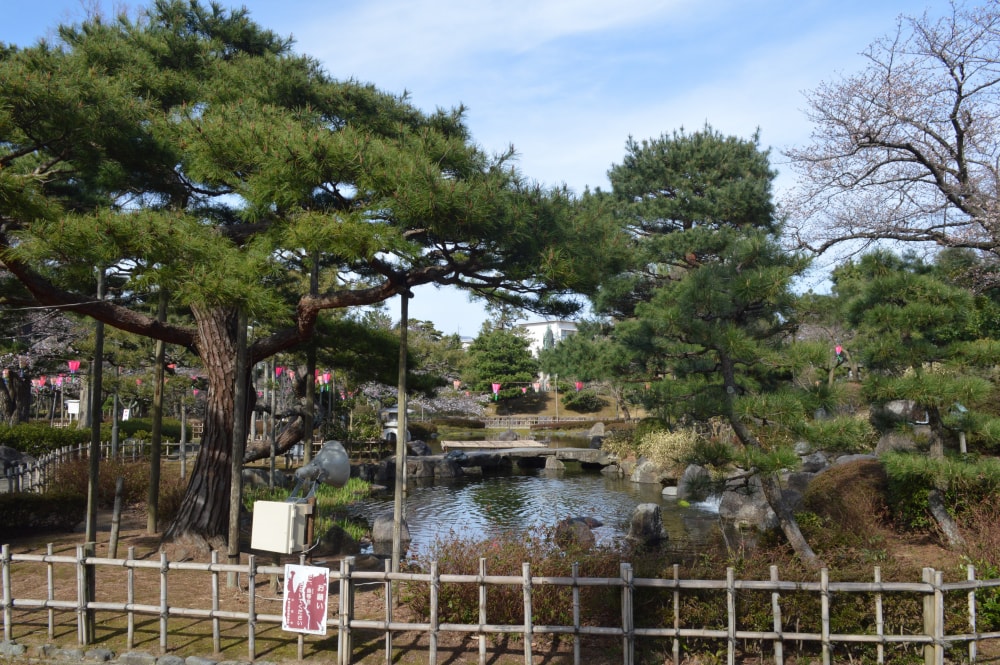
(279, 526)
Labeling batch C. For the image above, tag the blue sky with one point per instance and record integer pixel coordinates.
(566, 82)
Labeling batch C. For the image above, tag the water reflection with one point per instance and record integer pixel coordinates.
(493, 506)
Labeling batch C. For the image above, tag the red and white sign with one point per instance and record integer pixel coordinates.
(307, 595)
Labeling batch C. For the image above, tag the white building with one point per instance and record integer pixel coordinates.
(536, 332)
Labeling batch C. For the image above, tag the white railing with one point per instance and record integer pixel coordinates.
(525, 422)
(28, 607)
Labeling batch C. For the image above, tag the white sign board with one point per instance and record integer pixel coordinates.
(306, 598)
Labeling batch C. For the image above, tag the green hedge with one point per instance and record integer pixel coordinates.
(23, 513)
(37, 439)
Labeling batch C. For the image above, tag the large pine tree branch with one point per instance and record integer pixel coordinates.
(122, 318)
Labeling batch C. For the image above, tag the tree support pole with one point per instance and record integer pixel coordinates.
(239, 444)
(156, 437)
(397, 507)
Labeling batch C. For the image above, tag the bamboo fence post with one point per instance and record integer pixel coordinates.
(81, 596)
(435, 619)
(879, 619)
(482, 610)
(164, 608)
(628, 616)
(388, 611)
(779, 648)
(252, 607)
(970, 575)
(341, 628)
(216, 632)
(576, 613)
(130, 599)
(528, 626)
(933, 618)
(50, 585)
(346, 611)
(677, 614)
(350, 603)
(89, 592)
(824, 604)
(8, 615)
(938, 618)
(730, 616)
(300, 641)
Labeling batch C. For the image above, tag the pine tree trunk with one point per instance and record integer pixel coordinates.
(202, 522)
(769, 482)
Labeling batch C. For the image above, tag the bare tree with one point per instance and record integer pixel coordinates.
(909, 148)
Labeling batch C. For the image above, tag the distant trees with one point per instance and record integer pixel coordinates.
(908, 149)
(500, 356)
(594, 355)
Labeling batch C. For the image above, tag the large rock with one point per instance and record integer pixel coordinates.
(798, 481)
(693, 484)
(860, 457)
(336, 541)
(647, 472)
(646, 527)
(383, 526)
(892, 441)
(256, 476)
(553, 464)
(576, 532)
(419, 448)
(746, 506)
(447, 467)
(814, 462)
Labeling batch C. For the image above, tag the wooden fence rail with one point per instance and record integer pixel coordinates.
(65, 593)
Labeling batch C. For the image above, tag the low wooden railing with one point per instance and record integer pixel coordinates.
(26, 607)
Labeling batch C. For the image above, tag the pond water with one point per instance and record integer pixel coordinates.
(489, 507)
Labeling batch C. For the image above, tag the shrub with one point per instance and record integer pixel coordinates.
(36, 439)
(853, 495)
(584, 401)
(139, 428)
(26, 513)
(846, 434)
(421, 430)
(551, 604)
(668, 449)
(72, 477)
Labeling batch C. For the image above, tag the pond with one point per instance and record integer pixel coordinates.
(490, 506)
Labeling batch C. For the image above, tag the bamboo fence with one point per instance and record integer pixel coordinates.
(36, 475)
(933, 639)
